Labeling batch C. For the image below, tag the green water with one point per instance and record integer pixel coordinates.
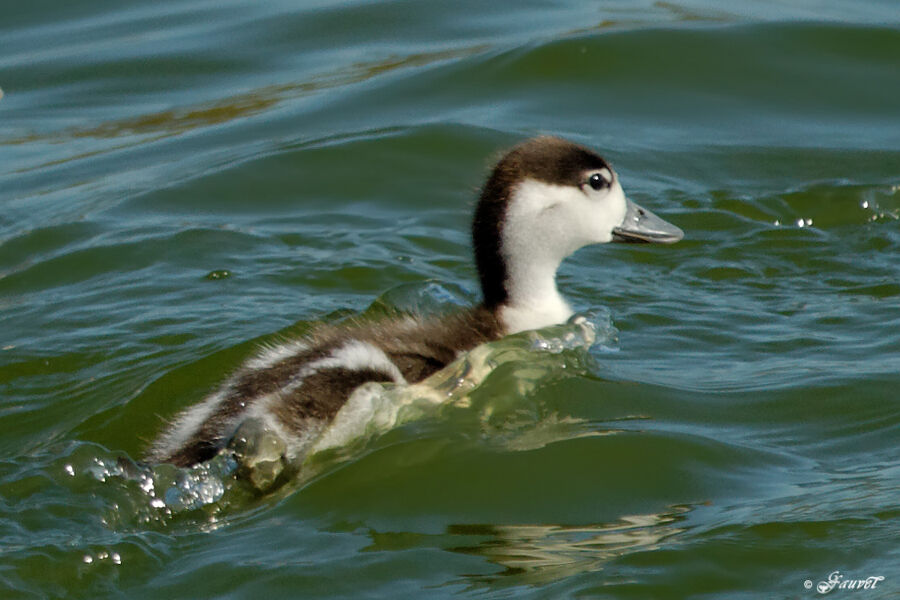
(182, 180)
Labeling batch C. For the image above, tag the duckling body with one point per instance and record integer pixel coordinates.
(544, 199)
(295, 389)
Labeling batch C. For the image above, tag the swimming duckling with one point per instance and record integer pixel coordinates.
(545, 199)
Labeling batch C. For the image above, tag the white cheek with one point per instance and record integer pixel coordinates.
(542, 220)
(617, 205)
(552, 221)
(605, 210)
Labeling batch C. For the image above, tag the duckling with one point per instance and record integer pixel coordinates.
(544, 199)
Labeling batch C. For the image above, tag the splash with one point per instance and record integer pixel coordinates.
(138, 496)
(163, 495)
(376, 408)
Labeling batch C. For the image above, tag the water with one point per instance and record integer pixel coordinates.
(183, 180)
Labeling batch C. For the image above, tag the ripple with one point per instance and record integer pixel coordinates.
(733, 433)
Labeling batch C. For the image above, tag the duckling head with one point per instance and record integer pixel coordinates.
(545, 199)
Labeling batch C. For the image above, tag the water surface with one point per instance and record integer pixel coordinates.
(182, 180)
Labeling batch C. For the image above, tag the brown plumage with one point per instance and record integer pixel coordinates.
(418, 348)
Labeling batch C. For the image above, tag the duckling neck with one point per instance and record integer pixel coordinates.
(533, 300)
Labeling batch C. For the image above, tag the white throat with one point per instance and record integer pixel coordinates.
(536, 238)
(534, 301)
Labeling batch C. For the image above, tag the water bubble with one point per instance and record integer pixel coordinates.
(196, 487)
(101, 471)
(70, 470)
(218, 274)
(102, 555)
(800, 223)
(147, 484)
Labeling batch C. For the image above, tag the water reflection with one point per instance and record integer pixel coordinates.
(539, 554)
(536, 554)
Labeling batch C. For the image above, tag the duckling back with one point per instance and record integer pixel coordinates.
(295, 389)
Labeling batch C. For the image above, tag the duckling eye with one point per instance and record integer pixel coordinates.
(598, 182)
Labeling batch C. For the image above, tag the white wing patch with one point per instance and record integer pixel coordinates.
(185, 425)
(271, 355)
(355, 355)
